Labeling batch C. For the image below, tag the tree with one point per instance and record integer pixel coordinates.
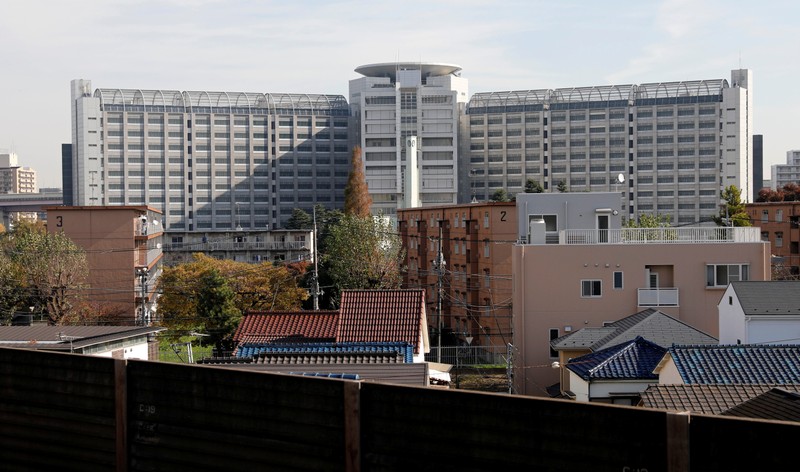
(356, 195)
(646, 220)
(255, 287)
(533, 186)
(216, 306)
(50, 267)
(733, 212)
(300, 219)
(562, 186)
(500, 195)
(363, 253)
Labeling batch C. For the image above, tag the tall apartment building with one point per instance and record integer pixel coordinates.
(475, 241)
(394, 101)
(676, 144)
(13, 177)
(788, 173)
(210, 161)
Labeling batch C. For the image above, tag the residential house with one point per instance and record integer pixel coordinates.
(760, 313)
(123, 247)
(730, 364)
(118, 342)
(776, 404)
(650, 324)
(575, 266)
(372, 327)
(617, 374)
(710, 399)
(780, 225)
(475, 241)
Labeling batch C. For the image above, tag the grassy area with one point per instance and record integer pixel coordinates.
(178, 352)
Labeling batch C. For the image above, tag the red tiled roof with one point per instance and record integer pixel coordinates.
(273, 325)
(382, 316)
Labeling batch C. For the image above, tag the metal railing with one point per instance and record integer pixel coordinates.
(237, 246)
(658, 297)
(668, 235)
(468, 355)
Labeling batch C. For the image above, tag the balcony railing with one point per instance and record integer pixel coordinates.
(236, 246)
(687, 235)
(658, 297)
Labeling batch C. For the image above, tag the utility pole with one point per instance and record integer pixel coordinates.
(439, 266)
(142, 273)
(315, 291)
(510, 367)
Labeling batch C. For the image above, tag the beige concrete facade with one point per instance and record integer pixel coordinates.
(476, 242)
(122, 244)
(563, 287)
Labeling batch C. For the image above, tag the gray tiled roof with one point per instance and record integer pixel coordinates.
(650, 324)
(775, 404)
(707, 399)
(41, 336)
(775, 297)
(737, 364)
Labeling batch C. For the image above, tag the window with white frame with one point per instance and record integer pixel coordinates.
(591, 288)
(618, 280)
(486, 248)
(778, 215)
(778, 238)
(486, 219)
(765, 216)
(720, 275)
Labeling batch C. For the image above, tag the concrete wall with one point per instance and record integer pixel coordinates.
(732, 327)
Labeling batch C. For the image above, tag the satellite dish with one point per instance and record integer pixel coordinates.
(621, 178)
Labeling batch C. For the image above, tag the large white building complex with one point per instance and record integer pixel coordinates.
(210, 161)
(394, 101)
(788, 173)
(676, 144)
(217, 161)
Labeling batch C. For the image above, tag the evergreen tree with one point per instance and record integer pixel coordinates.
(500, 195)
(562, 186)
(300, 219)
(363, 253)
(733, 212)
(356, 195)
(533, 186)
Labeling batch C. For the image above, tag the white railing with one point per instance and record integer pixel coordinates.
(692, 235)
(658, 297)
(236, 246)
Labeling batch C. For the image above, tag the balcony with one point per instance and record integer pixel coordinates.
(236, 246)
(658, 297)
(669, 235)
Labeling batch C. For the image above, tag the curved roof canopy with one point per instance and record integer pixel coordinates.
(389, 69)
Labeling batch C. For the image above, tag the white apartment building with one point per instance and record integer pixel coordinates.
(676, 145)
(210, 161)
(783, 174)
(393, 101)
(13, 177)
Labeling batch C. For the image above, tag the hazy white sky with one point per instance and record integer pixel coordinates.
(313, 47)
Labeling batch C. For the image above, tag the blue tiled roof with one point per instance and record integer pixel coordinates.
(251, 350)
(738, 364)
(634, 359)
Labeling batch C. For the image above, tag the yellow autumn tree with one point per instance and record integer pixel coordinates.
(255, 287)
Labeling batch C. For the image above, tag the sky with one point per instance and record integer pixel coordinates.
(313, 46)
